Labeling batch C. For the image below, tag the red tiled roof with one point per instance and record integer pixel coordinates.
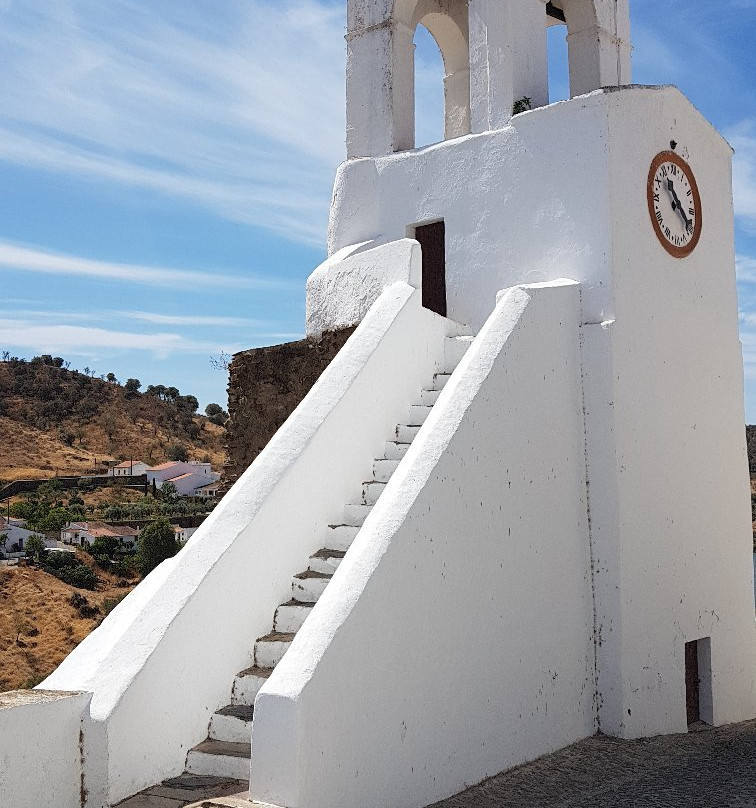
(180, 477)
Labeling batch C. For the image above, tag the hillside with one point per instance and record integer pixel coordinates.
(40, 626)
(56, 420)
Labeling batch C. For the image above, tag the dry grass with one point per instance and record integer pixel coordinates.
(28, 453)
(38, 625)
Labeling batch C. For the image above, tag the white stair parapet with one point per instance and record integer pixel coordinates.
(416, 547)
(230, 567)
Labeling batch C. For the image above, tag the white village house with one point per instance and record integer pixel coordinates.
(188, 477)
(83, 534)
(545, 371)
(128, 468)
(17, 536)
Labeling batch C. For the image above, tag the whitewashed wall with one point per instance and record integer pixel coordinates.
(166, 656)
(40, 753)
(455, 640)
(670, 497)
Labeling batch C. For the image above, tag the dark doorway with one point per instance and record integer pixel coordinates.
(432, 238)
(692, 690)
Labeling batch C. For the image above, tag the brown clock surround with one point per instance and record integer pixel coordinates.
(672, 249)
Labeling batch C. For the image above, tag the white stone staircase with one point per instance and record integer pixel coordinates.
(226, 751)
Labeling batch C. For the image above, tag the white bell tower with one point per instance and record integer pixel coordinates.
(626, 190)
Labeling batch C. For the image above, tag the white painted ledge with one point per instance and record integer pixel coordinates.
(166, 657)
(342, 289)
(41, 758)
(434, 659)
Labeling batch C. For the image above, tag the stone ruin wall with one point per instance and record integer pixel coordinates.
(265, 386)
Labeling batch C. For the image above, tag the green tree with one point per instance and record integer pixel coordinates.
(35, 546)
(213, 409)
(104, 546)
(168, 491)
(177, 452)
(111, 377)
(157, 542)
(132, 386)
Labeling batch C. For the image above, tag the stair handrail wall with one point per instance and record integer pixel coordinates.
(164, 659)
(431, 661)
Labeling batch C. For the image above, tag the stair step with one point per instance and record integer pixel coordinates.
(308, 586)
(326, 561)
(418, 414)
(440, 380)
(232, 723)
(340, 537)
(429, 397)
(394, 450)
(247, 685)
(220, 759)
(405, 433)
(270, 649)
(356, 513)
(290, 616)
(383, 469)
(454, 349)
(371, 490)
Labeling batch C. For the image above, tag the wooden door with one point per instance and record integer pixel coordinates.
(692, 695)
(432, 238)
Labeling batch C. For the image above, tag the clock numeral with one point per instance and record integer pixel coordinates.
(674, 169)
(691, 211)
(690, 192)
(664, 171)
(656, 198)
(659, 216)
(668, 232)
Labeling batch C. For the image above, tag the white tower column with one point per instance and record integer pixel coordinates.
(380, 90)
(599, 44)
(508, 59)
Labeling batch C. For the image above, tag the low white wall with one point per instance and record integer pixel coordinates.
(164, 660)
(342, 289)
(455, 640)
(40, 753)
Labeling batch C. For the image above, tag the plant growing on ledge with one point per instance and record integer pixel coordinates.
(522, 105)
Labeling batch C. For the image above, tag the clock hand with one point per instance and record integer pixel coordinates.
(677, 205)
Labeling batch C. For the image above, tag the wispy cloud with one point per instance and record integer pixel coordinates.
(743, 139)
(192, 320)
(84, 341)
(238, 109)
(29, 259)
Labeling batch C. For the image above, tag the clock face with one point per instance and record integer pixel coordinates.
(674, 204)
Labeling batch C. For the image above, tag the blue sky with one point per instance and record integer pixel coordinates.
(166, 168)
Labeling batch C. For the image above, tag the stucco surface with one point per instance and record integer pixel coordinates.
(40, 754)
(456, 637)
(167, 655)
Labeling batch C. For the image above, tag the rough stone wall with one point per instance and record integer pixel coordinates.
(265, 386)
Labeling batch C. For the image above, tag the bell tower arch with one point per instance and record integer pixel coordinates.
(494, 53)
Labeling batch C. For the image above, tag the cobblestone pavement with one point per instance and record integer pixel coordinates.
(710, 768)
